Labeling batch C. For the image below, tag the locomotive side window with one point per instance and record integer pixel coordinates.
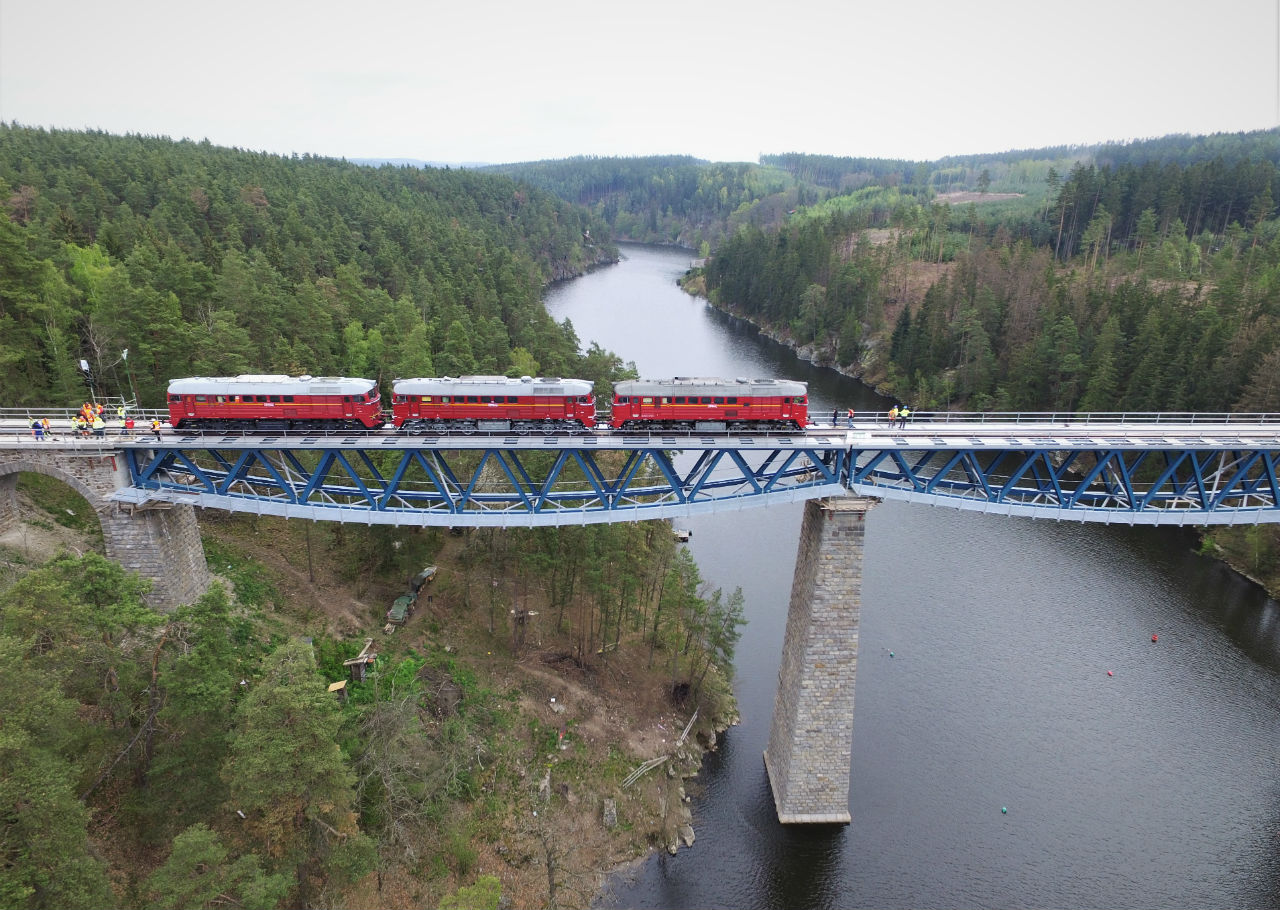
(679, 399)
(201, 398)
(666, 400)
(732, 399)
(222, 399)
(288, 398)
(706, 400)
(646, 400)
(472, 399)
(623, 399)
(719, 400)
(274, 397)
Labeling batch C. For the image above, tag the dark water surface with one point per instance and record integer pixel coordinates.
(1156, 787)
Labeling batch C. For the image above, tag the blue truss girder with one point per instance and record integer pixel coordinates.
(561, 481)
(1216, 486)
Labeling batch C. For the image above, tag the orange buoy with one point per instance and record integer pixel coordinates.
(1155, 637)
(1109, 673)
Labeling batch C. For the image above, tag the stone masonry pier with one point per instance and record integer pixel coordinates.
(811, 739)
(160, 544)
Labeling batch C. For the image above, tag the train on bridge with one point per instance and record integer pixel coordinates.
(494, 404)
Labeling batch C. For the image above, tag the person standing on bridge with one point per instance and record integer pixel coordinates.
(835, 416)
(155, 427)
(850, 417)
(903, 413)
(99, 426)
(48, 430)
(37, 430)
(893, 416)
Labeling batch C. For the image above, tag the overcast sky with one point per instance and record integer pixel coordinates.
(520, 80)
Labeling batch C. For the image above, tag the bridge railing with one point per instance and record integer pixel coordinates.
(62, 416)
(1072, 418)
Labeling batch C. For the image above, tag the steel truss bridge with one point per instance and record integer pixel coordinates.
(1114, 468)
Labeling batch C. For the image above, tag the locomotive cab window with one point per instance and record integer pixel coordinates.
(623, 399)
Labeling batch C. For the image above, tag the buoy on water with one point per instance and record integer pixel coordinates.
(1109, 673)
(891, 654)
(1155, 637)
(1004, 810)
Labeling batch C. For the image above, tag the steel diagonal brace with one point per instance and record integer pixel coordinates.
(708, 467)
(198, 472)
(779, 474)
(240, 473)
(1167, 476)
(516, 485)
(435, 477)
(1240, 485)
(1101, 460)
(663, 463)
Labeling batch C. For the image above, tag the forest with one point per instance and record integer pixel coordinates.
(195, 759)
(1141, 277)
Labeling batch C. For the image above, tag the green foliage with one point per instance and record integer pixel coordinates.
(287, 774)
(63, 504)
(198, 874)
(208, 261)
(43, 826)
(485, 894)
(248, 577)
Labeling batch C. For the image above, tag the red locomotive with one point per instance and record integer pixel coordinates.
(274, 403)
(494, 404)
(710, 405)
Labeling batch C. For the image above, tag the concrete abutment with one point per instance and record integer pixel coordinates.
(811, 738)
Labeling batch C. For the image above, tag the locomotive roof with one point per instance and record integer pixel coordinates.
(492, 385)
(253, 384)
(688, 385)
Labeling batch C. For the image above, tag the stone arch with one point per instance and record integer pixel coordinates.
(161, 544)
(10, 468)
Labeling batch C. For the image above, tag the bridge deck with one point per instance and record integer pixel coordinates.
(1146, 468)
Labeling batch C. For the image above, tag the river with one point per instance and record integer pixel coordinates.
(982, 686)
